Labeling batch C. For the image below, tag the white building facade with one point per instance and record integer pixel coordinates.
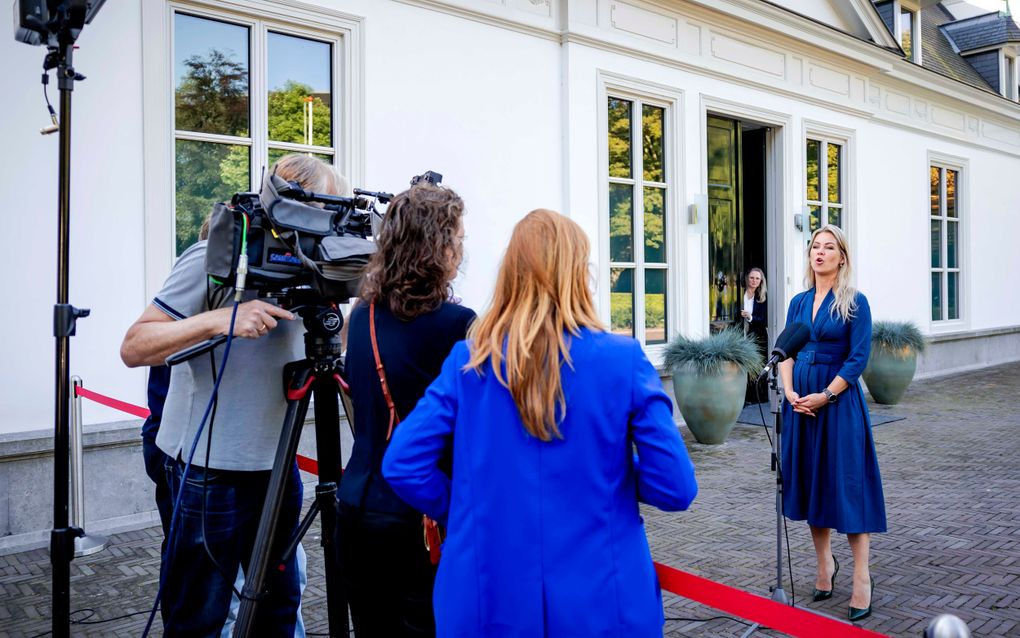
(692, 139)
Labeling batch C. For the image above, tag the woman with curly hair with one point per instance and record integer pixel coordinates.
(400, 334)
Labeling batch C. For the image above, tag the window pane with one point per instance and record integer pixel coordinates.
(619, 137)
(655, 306)
(936, 243)
(300, 90)
(276, 153)
(206, 173)
(953, 294)
(655, 225)
(951, 192)
(621, 302)
(952, 230)
(814, 218)
(934, 176)
(907, 30)
(653, 119)
(936, 296)
(813, 192)
(835, 216)
(210, 76)
(621, 222)
(835, 167)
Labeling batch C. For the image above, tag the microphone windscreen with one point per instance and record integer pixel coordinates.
(792, 340)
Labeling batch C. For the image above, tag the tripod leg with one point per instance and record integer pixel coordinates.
(255, 577)
(327, 441)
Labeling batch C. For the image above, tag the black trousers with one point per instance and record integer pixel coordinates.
(387, 575)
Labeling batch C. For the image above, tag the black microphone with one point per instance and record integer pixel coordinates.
(787, 345)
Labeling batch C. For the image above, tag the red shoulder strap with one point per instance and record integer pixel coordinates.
(394, 417)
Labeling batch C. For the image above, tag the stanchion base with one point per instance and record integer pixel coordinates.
(85, 545)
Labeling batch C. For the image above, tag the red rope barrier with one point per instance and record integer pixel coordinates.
(791, 620)
(116, 404)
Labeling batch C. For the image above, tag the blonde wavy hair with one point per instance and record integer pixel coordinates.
(845, 304)
(762, 293)
(541, 295)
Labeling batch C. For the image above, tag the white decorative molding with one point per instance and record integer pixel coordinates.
(538, 7)
(795, 73)
(748, 55)
(921, 109)
(642, 22)
(830, 80)
(897, 103)
(947, 118)
(690, 39)
(1002, 134)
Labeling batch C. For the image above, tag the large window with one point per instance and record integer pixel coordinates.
(824, 179)
(246, 92)
(945, 243)
(638, 198)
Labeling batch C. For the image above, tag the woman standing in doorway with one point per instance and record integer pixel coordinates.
(830, 468)
(755, 320)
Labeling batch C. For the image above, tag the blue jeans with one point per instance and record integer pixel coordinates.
(196, 594)
(155, 466)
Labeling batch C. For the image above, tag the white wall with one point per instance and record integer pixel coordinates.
(106, 217)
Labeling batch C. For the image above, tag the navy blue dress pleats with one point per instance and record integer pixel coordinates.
(830, 468)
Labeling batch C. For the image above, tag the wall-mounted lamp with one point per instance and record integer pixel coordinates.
(697, 214)
(798, 221)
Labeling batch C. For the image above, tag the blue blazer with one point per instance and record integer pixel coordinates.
(546, 538)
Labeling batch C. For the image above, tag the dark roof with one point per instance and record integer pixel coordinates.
(938, 53)
(988, 30)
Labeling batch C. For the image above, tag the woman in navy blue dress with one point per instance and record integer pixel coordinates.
(830, 469)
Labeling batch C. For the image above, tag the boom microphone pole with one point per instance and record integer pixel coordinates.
(788, 344)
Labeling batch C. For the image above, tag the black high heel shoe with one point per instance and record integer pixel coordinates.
(822, 594)
(856, 614)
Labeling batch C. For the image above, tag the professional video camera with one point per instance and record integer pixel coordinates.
(294, 239)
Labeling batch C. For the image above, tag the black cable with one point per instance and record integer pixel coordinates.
(210, 294)
(681, 619)
(90, 613)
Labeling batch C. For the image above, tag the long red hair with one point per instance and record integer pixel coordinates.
(541, 295)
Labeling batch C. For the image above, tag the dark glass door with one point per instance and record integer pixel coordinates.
(725, 220)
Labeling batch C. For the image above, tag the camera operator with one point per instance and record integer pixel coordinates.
(225, 489)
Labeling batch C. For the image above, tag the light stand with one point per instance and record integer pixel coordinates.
(775, 405)
(57, 24)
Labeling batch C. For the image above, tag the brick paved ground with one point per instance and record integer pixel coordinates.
(951, 479)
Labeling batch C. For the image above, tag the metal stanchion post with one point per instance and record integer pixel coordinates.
(85, 544)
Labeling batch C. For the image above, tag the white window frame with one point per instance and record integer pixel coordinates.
(1008, 75)
(343, 31)
(914, 8)
(961, 166)
(643, 93)
(826, 138)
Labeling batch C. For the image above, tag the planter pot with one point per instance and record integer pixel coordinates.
(889, 373)
(710, 403)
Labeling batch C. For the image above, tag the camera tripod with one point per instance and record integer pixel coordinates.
(318, 375)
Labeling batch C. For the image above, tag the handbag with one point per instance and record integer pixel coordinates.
(432, 532)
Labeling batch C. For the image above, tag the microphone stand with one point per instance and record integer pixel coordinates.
(776, 406)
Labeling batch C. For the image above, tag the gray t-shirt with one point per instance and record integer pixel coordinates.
(251, 406)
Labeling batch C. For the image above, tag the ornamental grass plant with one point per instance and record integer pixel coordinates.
(900, 338)
(707, 356)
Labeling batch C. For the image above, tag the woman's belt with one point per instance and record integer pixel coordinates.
(811, 357)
